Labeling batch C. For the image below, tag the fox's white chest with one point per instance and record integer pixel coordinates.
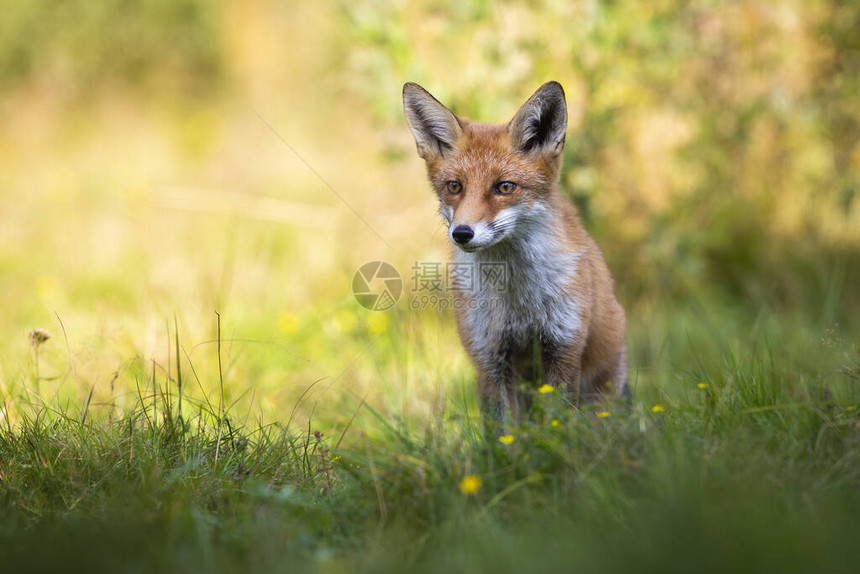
(534, 297)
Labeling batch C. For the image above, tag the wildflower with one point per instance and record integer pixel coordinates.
(288, 323)
(703, 386)
(603, 414)
(377, 323)
(506, 439)
(851, 408)
(335, 459)
(657, 409)
(470, 484)
(47, 286)
(545, 389)
(39, 336)
(554, 423)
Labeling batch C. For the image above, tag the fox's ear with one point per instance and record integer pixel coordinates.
(433, 126)
(542, 121)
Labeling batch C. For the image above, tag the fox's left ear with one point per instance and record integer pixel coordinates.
(542, 122)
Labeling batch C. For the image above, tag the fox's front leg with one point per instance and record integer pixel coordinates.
(562, 368)
(498, 395)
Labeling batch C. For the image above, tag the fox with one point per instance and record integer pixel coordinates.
(555, 318)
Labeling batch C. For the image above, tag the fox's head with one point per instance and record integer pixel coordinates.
(493, 181)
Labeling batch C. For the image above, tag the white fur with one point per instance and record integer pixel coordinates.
(447, 212)
(483, 236)
(539, 273)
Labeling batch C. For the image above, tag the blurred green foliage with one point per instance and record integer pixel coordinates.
(80, 47)
(713, 144)
(713, 151)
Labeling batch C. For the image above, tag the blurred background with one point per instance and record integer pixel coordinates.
(166, 159)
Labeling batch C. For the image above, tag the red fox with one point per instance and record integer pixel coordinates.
(556, 317)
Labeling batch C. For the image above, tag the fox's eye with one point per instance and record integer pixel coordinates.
(454, 187)
(506, 188)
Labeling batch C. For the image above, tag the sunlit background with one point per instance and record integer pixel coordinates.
(164, 160)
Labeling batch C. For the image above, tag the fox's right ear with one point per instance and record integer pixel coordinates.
(435, 129)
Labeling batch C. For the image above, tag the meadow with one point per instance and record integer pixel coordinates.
(187, 189)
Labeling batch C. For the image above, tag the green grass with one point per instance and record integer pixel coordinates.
(756, 472)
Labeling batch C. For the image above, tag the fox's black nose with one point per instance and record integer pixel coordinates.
(462, 234)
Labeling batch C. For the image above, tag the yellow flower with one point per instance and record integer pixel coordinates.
(506, 439)
(554, 423)
(603, 414)
(377, 323)
(470, 484)
(657, 409)
(288, 323)
(703, 386)
(335, 459)
(47, 286)
(546, 389)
